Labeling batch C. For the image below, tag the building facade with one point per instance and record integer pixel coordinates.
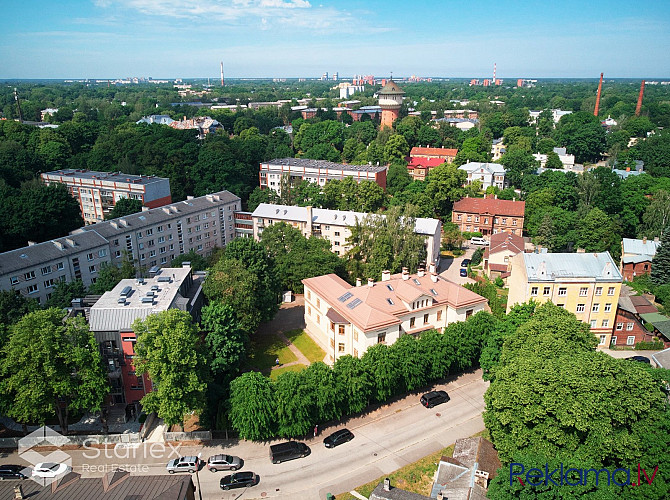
(629, 327)
(489, 216)
(586, 284)
(390, 100)
(98, 192)
(636, 256)
(347, 320)
(498, 255)
(335, 225)
(489, 174)
(316, 171)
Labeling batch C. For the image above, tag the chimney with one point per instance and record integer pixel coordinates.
(627, 169)
(145, 209)
(421, 272)
(433, 277)
(644, 240)
(439, 496)
(31, 243)
(656, 239)
(405, 274)
(371, 282)
(542, 270)
(431, 268)
(358, 282)
(386, 275)
(309, 220)
(387, 484)
(18, 493)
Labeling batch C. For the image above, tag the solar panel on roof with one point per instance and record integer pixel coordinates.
(354, 303)
(345, 297)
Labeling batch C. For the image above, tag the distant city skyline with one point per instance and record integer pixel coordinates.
(75, 39)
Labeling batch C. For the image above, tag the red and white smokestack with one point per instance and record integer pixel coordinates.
(639, 100)
(222, 73)
(494, 73)
(600, 88)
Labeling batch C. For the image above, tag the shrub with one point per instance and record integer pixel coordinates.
(654, 345)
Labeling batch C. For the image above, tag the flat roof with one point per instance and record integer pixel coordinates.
(323, 164)
(105, 176)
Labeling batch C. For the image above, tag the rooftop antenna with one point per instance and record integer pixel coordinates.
(18, 104)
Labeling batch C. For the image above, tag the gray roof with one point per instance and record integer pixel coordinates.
(106, 176)
(156, 215)
(556, 266)
(491, 168)
(646, 249)
(332, 217)
(160, 119)
(42, 253)
(625, 303)
(662, 358)
(395, 494)
(323, 164)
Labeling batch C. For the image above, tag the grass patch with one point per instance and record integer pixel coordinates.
(265, 349)
(306, 345)
(416, 477)
(283, 369)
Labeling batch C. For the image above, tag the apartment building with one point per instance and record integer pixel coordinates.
(154, 237)
(489, 174)
(586, 284)
(335, 225)
(35, 270)
(316, 171)
(489, 215)
(98, 192)
(111, 321)
(347, 320)
(636, 256)
(422, 160)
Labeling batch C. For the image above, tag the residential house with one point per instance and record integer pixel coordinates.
(489, 215)
(422, 160)
(203, 124)
(556, 115)
(586, 284)
(466, 475)
(498, 149)
(630, 325)
(498, 255)
(636, 256)
(334, 225)
(489, 174)
(347, 320)
(159, 119)
(626, 172)
(567, 160)
(98, 192)
(316, 171)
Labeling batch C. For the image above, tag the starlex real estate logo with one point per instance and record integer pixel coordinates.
(44, 436)
(561, 476)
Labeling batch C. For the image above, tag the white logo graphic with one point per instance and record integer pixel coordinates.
(45, 468)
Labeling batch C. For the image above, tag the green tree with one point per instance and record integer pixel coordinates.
(294, 401)
(170, 351)
(396, 148)
(596, 232)
(64, 292)
(518, 163)
(383, 370)
(398, 178)
(656, 217)
(109, 275)
(198, 262)
(582, 135)
(259, 196)
(253, 406)
(411, 362)
(444, 186)
(660, 270)
(51, 366)
(226, 342)
(353, 383)
(327, 398)
(13, 306)
(553, 161)
(123, 207)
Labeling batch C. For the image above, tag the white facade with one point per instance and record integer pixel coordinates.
(567, 160)
(489, 174)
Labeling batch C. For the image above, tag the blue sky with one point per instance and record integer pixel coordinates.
(290, 38)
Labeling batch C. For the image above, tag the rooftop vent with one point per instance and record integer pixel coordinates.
(126, 291)
(164, 279)
(147, 300)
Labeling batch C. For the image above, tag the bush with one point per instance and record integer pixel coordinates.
(499, 282)
(467, 235)
(477, 257)
(654, 345)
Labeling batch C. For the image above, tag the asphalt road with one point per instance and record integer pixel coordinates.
(385, 440)
(450, 268)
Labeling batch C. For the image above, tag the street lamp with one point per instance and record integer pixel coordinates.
(197, 477)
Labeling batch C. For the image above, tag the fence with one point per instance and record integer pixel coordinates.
(188, 436)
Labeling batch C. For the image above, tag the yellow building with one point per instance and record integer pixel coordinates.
(586, 284)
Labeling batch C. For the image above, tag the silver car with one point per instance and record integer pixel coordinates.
(183, 464)
(224, 462)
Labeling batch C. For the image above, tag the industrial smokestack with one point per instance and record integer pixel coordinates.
(639, 100)
(600, 88)
(494, 73)
(222, 73)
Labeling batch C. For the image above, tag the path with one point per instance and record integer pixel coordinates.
(302, 360)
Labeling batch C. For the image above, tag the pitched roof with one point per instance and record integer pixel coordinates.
(645, 249)
(557, 266)
(662, 358)
(391, 88)
(395, 494)
(491, 206)
(381, 305)
(500, 242)
(419, 151)
(425, 162)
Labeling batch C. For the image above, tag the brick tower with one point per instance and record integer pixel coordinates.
(390, 100)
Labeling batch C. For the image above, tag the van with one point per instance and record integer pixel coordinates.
(288, 451)
(475, 240)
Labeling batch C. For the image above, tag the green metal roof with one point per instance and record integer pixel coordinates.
(654, 318)
(391, 88)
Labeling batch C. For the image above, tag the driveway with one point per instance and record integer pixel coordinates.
(450, 268)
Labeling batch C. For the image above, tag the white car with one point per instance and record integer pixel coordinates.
(50, 469)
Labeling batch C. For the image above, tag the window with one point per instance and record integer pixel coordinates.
(629, 327)
(608, 308)
(562, 306)
(439, 315)
(504, 221)
(318, 319)
(309, 311)
(468, 313)
(593, 323)
(355, 353)
(610, 291)
(340, 329)
(309, 295)
(102, 253)
(412, 321)
(605, 323)
(46, 270)
(332, 343)
(318, 303)
(619, 326)
(49, 283)
(595, 308)
(514, 222)
(630, 340)
(425, 318)
(599, 290)
(614, 339)
(337, 233)
(562, 292)
(33, 289)
(29, 276)
(340, 347)
(381, 338)
(458, 217)
(91, 269)
(161, 239)
(583, 291)
(580, 308)
(546, 291)
(355, 335)
(533, 291)
(603, 339)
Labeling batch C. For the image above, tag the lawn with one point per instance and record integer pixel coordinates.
(283, 369)
(306, 345)
(265, 349)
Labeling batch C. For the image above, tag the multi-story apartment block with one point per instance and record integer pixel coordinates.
(35, 270)
(111, 321)
(489, 174)
(489, 215)
(335, 225)
(586, 284)
(316, 171)
(98, 192)
(636, 256)
(154, 237)
(346, 319)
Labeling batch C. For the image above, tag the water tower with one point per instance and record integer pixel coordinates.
(390, 100)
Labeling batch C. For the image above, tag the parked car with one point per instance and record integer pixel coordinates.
(338, 437)
(433, 398)
(641, 359)
(289, 450)
(50, 469)
(465, 262)
(183, 464)
(224, 462)
(238, 480)
(475, 240)
(8, 471)
(463, 273)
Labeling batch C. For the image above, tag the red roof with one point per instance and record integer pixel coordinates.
(417, 151)
(425, 162)
(490, 206)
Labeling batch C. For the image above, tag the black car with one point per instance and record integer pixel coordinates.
(289, 450)
(641, 359)
(463, 273)
(238, 480)
(465, 262)
(338, 437)
(12, 472)
(433, 398)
